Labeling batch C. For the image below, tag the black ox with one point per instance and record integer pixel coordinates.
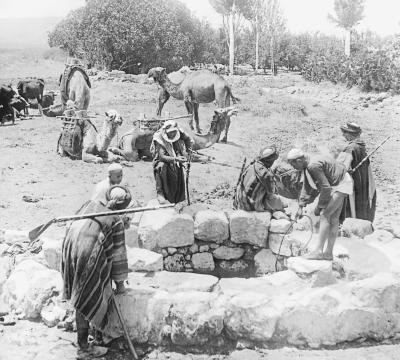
(32, 89)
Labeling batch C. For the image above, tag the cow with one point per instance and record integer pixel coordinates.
(31, 89)
(6, 95)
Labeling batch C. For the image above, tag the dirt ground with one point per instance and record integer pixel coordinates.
(284, 110)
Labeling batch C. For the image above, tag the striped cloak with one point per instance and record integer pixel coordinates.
(93, 254)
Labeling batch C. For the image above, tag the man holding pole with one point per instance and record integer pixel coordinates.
(94, 256)
(170, 148)
(364, 197)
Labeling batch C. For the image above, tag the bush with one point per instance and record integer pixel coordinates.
(370, 69)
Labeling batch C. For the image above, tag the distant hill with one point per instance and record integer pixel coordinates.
(26, 33)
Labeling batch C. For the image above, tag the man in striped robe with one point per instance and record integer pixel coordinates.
(94, 254)
(256, 190)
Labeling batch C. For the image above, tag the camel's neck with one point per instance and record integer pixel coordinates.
(205, 141)
(105, 136)
(172, 88)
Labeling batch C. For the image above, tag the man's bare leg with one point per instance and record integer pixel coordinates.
(324, 227)
(334, 226)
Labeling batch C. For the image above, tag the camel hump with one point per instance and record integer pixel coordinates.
(65, 78)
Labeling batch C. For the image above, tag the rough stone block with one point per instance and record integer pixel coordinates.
(203, 261)
(52, 314)
(249, 227)
(323, 278)
(280, 226)
(279, 215)
(52, 252)
(6, 265)
(144, 260)
(228, 253)
(194, 248)
(211, 226)
(304, 266)
(284, 245)
(264, 262)
(357, 227)
(234, 267)
(30, 286)
(12, 237)
(204, 248)
(165, 228)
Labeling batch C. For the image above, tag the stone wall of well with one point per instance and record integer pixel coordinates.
(222, 243)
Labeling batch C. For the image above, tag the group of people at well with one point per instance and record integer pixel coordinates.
(94, 253)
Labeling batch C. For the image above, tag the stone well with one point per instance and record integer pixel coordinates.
(308, 304)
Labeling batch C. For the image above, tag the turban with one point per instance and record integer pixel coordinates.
(120, 194)
(268, 152)
(114, 167)
(352, 128)
(295, 154)
(170, 126)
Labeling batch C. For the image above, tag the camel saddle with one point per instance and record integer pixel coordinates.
(66, 77)
(72, 134)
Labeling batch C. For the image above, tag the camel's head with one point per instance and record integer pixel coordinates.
(158, 74)
(219, 118)
(114, 118)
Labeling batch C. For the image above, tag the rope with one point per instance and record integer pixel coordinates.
(287, 232)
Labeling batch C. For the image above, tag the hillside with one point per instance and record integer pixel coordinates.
(26, 33)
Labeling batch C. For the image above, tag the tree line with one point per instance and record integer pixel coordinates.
(135, 35)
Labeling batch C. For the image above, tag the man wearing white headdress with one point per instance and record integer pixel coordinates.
(169, 148)
(93, 256)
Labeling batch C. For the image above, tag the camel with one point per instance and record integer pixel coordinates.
(202, 86)
(86, 142)
(74, 86)
(135, 144)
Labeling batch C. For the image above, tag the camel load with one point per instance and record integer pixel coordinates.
(135, 144)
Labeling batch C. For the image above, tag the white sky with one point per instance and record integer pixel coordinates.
(382, 16)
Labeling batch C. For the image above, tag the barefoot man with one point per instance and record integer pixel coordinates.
(94, 255)
(169, 146)
(331, 179)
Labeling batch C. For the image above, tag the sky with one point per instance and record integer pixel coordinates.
(381, 16)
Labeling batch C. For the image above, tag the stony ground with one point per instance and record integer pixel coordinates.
(285, 110)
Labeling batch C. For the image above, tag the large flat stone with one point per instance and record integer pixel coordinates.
(249, 227)
(303, 266)
(228, 253)
(172, 282)
(165, 228)
(211, 226)
(357, 227)
(30, 286)
(144, 260)
(280, 226)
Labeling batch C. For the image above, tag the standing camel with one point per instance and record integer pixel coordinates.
(202, 86)
(74, 86)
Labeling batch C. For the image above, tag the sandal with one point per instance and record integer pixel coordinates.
(327, 257)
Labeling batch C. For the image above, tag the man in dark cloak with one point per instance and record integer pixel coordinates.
(169, 148)
(364, 184)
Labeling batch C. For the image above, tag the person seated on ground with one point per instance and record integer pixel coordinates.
(364, 185)
(256, 190)
(94, 255)
(169, 148)
(115, 173)
(331, 179)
